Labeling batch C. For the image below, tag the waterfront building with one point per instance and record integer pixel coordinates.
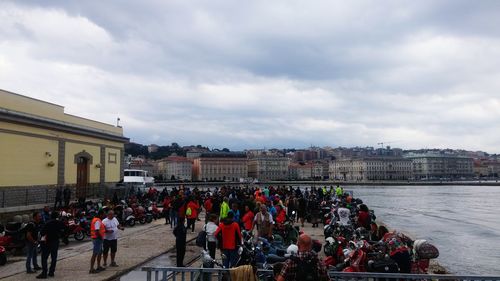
(300, 171)
(42, 146)
(268, 168)
(441, 166)
(174, 168)
(320, 170)
(220, 166)
(371, 169)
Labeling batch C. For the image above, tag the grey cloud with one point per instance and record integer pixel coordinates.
(254, 74)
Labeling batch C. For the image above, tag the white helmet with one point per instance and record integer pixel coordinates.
(292, 249)
(330, 240)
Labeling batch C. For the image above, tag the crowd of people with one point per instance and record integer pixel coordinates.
(230, 211)
(223, 215)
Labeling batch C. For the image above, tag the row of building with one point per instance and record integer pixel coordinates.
(233, 166)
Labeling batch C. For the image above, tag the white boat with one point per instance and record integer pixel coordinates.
(137, 177)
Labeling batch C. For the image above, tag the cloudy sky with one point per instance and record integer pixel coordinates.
(254, 74)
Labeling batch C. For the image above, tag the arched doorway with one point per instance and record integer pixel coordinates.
(83, 161)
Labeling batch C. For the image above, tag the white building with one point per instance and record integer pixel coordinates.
(441, 167)
(268, 168)
(175, 168)
(371, 168)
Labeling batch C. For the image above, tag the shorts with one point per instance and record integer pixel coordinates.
(97, 250)
(109, 244)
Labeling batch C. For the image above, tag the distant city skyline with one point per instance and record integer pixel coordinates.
(265, 74)
(430, 149)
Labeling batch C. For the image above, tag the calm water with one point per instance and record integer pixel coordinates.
(462, 221)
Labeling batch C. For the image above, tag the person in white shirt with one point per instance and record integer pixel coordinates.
(344, 215)
(210, 228)
(110, 238)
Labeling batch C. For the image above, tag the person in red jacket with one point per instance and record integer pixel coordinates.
(280, 214)
(167, 205)
(364, 219)
(192, 213)
(208, 205)
(229, 235)
(247, 219)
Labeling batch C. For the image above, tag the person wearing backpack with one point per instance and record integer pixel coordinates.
(210, 229)
(192, 213)
(305, 266)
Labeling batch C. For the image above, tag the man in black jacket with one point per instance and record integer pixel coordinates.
(50, 233)
(180, 241)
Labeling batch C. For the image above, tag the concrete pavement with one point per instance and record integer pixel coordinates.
(136, 245)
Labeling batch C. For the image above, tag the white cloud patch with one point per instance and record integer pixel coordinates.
(261, 74)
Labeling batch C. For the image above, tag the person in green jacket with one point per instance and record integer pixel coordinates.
(224, 208)
(339, 191)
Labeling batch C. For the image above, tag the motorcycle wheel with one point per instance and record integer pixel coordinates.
(3, 259)
(142, 220)
(131, 222)
(149, 219)
(80, 235)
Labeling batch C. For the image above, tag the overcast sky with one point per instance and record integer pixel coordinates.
(255, 74)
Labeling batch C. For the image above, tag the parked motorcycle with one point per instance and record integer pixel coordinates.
(73, 228)
(14, 236)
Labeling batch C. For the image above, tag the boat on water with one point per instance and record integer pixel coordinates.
(137, 177)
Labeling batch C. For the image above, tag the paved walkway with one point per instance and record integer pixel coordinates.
(136, 245)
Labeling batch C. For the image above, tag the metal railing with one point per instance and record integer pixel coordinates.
(208, 274)
(195, 273)
(36, 195)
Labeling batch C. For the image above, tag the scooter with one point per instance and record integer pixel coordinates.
(423, 252)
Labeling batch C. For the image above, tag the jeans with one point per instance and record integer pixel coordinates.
(231, 258)
(166, 213)
(211, 248)
(190, 224)
(51, 249)
(173, 218)
(31, 253)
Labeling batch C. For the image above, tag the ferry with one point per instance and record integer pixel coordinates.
(137, 177)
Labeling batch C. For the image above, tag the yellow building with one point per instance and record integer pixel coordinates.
(41, 146)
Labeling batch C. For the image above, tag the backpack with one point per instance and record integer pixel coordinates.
(307, 269)
(201, 239)
(189, 212)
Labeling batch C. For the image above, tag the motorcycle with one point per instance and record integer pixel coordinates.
(14, 236)
(124, 214)
(140, 214)
(73, 228)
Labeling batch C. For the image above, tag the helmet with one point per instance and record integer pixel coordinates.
(362, 233)
(292, 249)
(330, 240)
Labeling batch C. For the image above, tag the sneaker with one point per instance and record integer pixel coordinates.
(37, 268)
(51, 274)
(41, 276)
(92, 271)
(113, 264)
(30, 271)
